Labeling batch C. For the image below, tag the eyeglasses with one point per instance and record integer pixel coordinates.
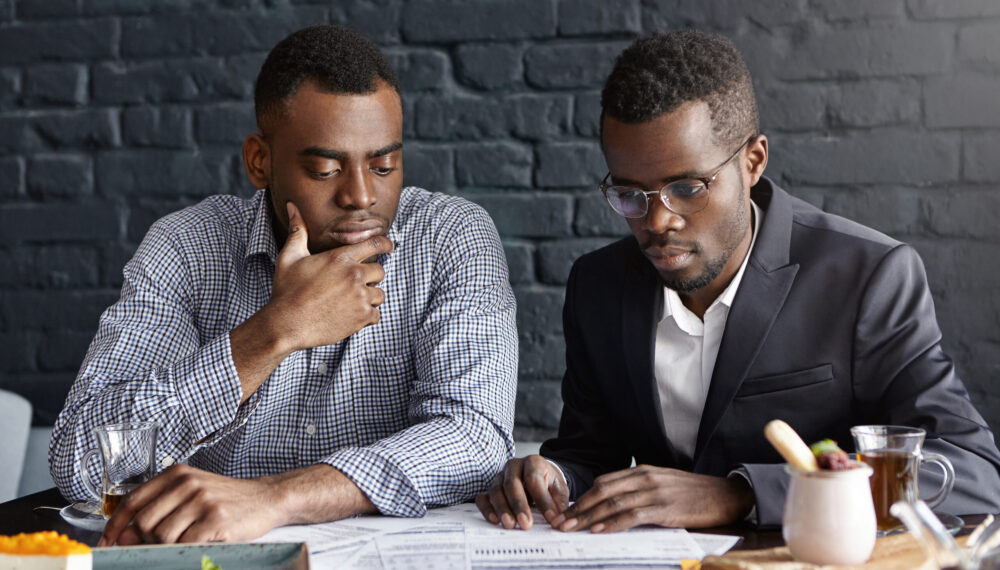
(685, 196)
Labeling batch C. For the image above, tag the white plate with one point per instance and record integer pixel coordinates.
(84, 515)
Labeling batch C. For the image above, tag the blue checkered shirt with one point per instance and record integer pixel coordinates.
(417, 410)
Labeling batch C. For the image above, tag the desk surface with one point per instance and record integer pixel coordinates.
(24, 515)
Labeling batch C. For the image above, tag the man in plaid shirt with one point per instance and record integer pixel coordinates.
(334, 345)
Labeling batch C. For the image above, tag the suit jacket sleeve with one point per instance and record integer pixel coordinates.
(901, 376)
(588, 443)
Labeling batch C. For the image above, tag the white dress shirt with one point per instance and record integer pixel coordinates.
(686, 349)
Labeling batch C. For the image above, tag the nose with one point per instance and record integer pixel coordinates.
(659, 219)
(356, 191)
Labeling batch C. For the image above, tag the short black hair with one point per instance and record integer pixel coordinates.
(339, 60)
(660, 72)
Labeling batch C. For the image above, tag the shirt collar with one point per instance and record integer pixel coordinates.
(672, 301)
(263, 242)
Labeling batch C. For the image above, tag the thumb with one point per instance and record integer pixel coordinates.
(297, 243)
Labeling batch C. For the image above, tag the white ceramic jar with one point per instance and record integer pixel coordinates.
(829, 517)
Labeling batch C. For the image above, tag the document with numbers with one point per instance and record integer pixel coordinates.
(458, 537)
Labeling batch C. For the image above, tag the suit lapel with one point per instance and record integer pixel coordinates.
(642, 306)
(761, 295)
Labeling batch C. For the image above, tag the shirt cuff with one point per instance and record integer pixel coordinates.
(385, 484)
(209, 390)
(742, 472)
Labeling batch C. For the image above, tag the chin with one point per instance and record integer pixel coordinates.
(684, 285)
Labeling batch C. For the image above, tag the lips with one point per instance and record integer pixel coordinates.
(349, 233)
(669, 258)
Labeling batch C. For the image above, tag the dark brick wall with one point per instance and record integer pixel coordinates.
(115, 112)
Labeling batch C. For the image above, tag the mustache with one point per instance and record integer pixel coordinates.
(653, 243)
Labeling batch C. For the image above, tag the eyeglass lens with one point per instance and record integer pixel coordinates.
(682, 197)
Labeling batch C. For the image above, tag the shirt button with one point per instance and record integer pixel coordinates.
(310, 429)
(166, 461)
(321, 369)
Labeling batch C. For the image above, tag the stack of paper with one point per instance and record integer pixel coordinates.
(458, 537)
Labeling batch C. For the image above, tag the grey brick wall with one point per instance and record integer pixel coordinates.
(115, 112)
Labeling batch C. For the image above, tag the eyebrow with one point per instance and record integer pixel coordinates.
(323, 153)
(342, 156)
(390, 148)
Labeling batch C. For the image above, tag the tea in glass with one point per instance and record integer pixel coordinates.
(894, 478)
(113, 497)
(894, 454)
(127, 454)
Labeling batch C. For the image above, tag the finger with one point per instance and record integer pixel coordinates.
(498, 500)
(502, 508)
(370, 247)
(609, 485)
(374, 273)
(202, 531)
(623, 521)
(128, 537)
(483, 503)
(614, 506)
(539, 477)
(606, 486)
(559, 490)
(376, 296)
(513, 489)
(297, 243)
(174, 525)
(130, 505)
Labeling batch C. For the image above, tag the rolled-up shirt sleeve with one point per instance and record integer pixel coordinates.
(147, 363)
(461, 407)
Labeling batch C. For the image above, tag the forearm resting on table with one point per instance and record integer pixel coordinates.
(318, 493)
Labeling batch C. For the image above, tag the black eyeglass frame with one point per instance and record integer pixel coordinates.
(662, 191)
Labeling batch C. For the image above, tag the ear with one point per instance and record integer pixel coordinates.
(757, 157)
(257, 160)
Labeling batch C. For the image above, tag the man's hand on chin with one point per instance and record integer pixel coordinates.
(184, 504)
(659, 496)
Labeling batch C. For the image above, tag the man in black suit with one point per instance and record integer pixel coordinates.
(732, 304)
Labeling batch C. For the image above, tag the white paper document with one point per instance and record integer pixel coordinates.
(715, 544)
(459, 538)
(439, 545)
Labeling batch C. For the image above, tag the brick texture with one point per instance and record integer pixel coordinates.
(116, 112)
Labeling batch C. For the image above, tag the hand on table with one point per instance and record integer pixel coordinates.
(657, 495)
(184, 504)
(523, 482)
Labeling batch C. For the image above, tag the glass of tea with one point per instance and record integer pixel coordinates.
(127, 453)
(894, 454)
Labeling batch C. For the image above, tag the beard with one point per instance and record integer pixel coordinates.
(713, 267)
(733, 229)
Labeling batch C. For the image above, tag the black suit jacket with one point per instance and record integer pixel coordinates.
(833, 325)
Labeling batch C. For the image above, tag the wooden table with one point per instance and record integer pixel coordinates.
(27, 514)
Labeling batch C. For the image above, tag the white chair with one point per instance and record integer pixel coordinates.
(35, 473)
(15, 424)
